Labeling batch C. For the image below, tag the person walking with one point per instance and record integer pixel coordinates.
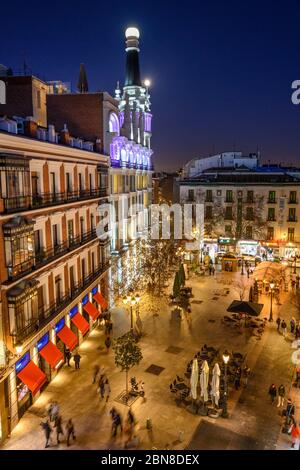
(278, 321)
(297, 331)
(130, 424)
(77, 358)
(292, 325)
(246, 373)
(281, 395)
(107, 390)
(68, 356)
(237, 378)
(96, 372)
(295, 434)
(272, 393)
(58, 427)
(47, 430)
(54, 411)
(283, 327)
(70, 431)
(297, 281)
(107, 343)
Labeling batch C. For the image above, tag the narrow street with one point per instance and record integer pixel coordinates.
(253, 422)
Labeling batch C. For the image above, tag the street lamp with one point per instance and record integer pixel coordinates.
(225, 360)
(272, 285)
(242, 271)
(295, 266)
(131, 300)
(19, 348)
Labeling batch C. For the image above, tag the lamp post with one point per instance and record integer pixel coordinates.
(131, 300)
(225, 360)
(242, 271)
(272, 285)
(295, 265)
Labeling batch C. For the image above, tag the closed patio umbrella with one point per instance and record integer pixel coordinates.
(204, 381)
(194, 379)
(215, 384)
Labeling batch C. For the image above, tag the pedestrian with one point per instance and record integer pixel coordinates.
(292, 324)
(272, 393)
(237, 378)
(213, 270)
(96, 372)
(107, 343)
(130, 424)
(102, 388)
(293, 284)
(283, 327)
(68, 356)
(77, 358)
(290, 409)
(116, 422)
(58, 426)
(297, 281)
(107, 390)
(49, 409)
(297, 331)
(101, 382)
(295, 434)
(246, 373)
(278, 321)
(281, 395)
(54, 411)
(47, 430)
(70, 431)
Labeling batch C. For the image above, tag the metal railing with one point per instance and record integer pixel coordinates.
(43, 257)
(45, 315)
(34, 201)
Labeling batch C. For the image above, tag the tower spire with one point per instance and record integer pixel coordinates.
(82, 85)
(132, 77)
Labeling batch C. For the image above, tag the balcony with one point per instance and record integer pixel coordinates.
(46, 256)
(272, 201)
(292, 201)
(271, 219)
(24, 203)
(292, 219)
(47, 315)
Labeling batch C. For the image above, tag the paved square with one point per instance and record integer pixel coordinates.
(174, 350)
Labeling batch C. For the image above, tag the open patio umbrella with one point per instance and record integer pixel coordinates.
(247, 308)
(215, 384)
(204, 381)
(194, 379)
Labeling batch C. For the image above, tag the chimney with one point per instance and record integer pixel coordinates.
(30, 128)
(98, 146)
(65, 136)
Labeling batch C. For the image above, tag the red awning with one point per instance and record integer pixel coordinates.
(68, 337)
(33, 377)
(81, 323)
(101, 300)
(52, 355)
(91, 310)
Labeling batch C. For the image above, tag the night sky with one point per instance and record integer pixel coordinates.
(221, 71)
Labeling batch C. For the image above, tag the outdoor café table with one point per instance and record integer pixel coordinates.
(180, 386)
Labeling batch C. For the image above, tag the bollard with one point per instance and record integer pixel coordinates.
(149, 424)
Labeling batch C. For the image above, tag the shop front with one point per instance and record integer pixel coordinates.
(227, 244)
(65, 338)
(269, 251)
(30, 379)
(50, 357)
(248, 247)
(78, 322)
(210, 249)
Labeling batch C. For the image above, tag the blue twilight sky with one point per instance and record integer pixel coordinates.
(221, 71)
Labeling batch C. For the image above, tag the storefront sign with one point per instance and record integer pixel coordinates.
(59, 326)
(85, 299)
(226, 241)
(43, 341)
(73, 311)
(22, 362)
(94, 290)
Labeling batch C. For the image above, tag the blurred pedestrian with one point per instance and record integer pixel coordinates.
(77, 358)
(292, 324)
(295, 434)
(281, 395)
(130, 424)
(246, 373)
(58, 427)
(54, 411)
(70, 431)
(237, 378)
(107, 390)
(68, 356)
(284, 328)
(116, 422)
(272, 392)
(47, 430)
(278, 321)
(96, 372)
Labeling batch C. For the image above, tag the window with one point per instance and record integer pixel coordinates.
(114, 123)
(249, 213)
(208, 195)
(58, 291)
(81, 227)
(249, 232)
(80, 182)
(70, 231)
(228, 195)
(34, 183)
(249, 196)
(293, 197)
(271, 214)
(37, 241)
(208, 212)
(291, 234)
(92, 223)
(191, 195)
(38, 99)
(55, 235)
(228, 213)
(272, 196)
(68, 182)
(292, 214)
(270, 233)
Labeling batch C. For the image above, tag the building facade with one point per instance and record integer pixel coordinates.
(248, 209)
(53, 266)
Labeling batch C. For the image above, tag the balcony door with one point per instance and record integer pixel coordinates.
(52, 184)
(34, 183)
(72, 278)
(41, 302)
(58, 289)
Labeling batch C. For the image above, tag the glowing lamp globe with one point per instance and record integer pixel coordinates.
(147, 83)
(132, 33)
